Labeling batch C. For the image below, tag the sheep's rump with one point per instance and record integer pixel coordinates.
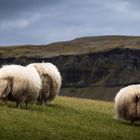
(21, 83)
(127, 103)
(51, 80)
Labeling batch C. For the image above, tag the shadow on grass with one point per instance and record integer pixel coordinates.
(13, 105)
(128, 123)
(41, 108)
(53, 107)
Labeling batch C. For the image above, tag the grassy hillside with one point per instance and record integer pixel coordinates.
(65, 118)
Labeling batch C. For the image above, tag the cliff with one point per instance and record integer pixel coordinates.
(91, 67)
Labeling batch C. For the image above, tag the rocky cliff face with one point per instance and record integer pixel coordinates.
(97, 75)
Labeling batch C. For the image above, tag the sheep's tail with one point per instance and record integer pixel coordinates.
(54, 89)
(56, 80)
(5, 87)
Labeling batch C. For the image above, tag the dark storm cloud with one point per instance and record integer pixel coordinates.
(45, 21)
(13, 8)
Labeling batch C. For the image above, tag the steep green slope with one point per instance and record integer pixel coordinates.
(65, 118)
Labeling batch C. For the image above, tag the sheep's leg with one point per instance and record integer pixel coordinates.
(5, 101)
(26, 104)
(18, 105)
(133, 122)
(45, 102)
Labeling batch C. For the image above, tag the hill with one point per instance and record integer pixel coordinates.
(91, 67)
(77, 46)
(65, 118)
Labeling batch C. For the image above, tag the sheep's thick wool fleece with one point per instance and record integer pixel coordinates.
(126, 105)
(24, 79)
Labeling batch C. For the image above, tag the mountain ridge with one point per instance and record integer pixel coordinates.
(77, 46)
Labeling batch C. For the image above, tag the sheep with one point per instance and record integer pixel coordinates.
(127, 103)
(19, 83)
(51, 81)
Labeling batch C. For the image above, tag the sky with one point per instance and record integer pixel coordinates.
(47, 21)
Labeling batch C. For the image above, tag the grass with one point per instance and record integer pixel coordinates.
(65, 118)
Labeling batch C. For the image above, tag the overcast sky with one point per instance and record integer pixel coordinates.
(47, 21)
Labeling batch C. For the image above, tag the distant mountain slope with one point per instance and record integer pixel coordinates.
(75, 47)
(91, 67)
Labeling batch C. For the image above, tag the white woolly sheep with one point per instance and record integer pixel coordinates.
(127, 103)
(51, 81)
(20, 84)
